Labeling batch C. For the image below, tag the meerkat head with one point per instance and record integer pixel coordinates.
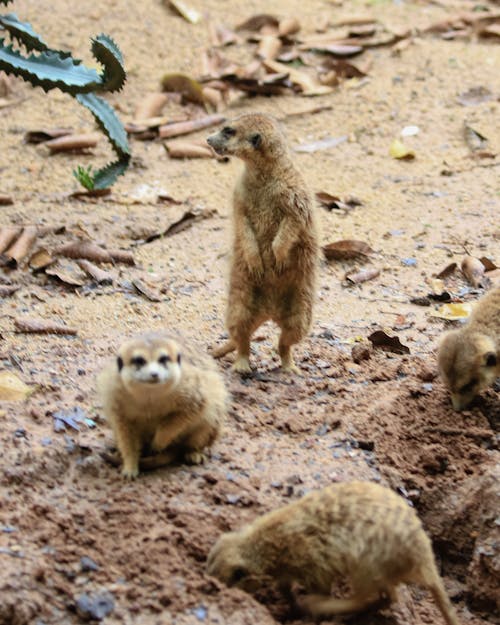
(467, 364)
(226, 561)
(150, 361)
(255, 138)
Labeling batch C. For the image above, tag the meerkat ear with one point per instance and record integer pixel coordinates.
(490, 359)
(119, 362)
(256, 140)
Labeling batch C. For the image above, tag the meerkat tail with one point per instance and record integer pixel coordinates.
(229, 346)
(163, 459)
(444, 604)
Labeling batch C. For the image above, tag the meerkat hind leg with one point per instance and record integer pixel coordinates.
(323, 605)
(203, 436)
(289, 336)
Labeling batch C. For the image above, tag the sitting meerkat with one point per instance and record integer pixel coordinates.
(469, 358)
(275, 248)
(359, 531)
(159, 397)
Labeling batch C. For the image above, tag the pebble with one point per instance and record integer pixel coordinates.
(96, 606)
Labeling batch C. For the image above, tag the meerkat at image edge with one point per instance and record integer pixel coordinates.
(359, 531)
(158, 395)
(469, 358)
(275, 252)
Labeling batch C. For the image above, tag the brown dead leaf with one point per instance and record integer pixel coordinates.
(308, 85)
(194, 125)
(357, 277)
(67, 272)
(150, 106)
(21, 248)
(183, 223)
(96, 273)
(490, 32)
(388, 343)
(221, 35)
(447, 271)
(346, 69)
(146, 290)
(41, 259)
(73, 143)
(41, 326)
(258, 22)
(13, 388)
(331, 202)
(473, 269)
(269, 47)
(489, 265)
(188, 13)
(8, 234)
(122, 256)
(83, 249)
(453, 311)
(272, 84)
(191, 90)
(89, 194)
(46, 134)
(5, 200)
(288, 26)
(346, 249)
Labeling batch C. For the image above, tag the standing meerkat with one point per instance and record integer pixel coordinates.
(276, 248)
(469, 358)
(359, 531)
(158, 397)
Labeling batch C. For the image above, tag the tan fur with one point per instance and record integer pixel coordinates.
(275, 248)
(469, 358)
(175, 400)
(360, 532)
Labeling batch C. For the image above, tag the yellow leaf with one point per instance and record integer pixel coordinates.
(399, 150)
(12, 388)
(453, 312)
(188, 13)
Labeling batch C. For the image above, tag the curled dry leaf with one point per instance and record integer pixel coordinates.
(8, 234)
(308, 85)
(221, 35)
(194, 125)
(273, 84)
(186, 221)
(41, 259)
(346, 249)
(257, 22)
(489, 265)
(5, 200)
(331, 202)
(400, 151)
(145, 290)
(190, 89)
(447, 271)
(67, 272)
(84, 249)
(73, 143)
(388, 343)
(473, 269)
(150, 106)
(21, 248)
(96, 273)
(357, 277)
(453, 311)
(32, 325)
(269, 47)
(46, 134)
(214, 98)
(122, 256)
(288, 26)
(188, 13)
(13, 388)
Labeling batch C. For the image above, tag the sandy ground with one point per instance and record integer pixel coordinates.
(387, 419)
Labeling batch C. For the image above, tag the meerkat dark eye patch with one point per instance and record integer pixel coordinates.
(256, 140)
(466, 388)
(163, 360)
(138, 361)
(237, 575)
(119, 362)
(178, 359)
(227, 131)
(491, 359)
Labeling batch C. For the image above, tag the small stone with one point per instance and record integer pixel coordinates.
(95, 607)
(87, 564)
(360, 352)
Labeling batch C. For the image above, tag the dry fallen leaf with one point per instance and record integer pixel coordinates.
(40, 326)
(5, 200)
(489, 265)
(84, 249)
(346, 249)
(21, 248)
(473, 269)
(96, 273)
(46, 134)
(150, 106)
(194, 125)
(447, 271)
(146, 290)
(12, 388)
(399, 150)
(321, 144)
(189, 14)
(73, 143)
(67, 272)
(308, 85)
(453, 311)
(357, 277)
(288, 26)
(388, 343)
(190, 89)
(257, 22)
(331, 202)
(8, 234)
(186, 221)
(41, 259)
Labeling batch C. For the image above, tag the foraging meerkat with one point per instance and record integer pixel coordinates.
(275, 248)
(359, 530)
(160, 397)
(469, 358)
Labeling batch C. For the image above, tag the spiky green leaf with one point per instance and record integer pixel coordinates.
(22, 32)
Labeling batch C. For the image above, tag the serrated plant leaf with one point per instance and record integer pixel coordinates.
(22, 32)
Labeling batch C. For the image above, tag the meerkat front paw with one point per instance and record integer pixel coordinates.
(254, 264)
(194, 457)
(242, 365)
(280, 255)
(130, 472)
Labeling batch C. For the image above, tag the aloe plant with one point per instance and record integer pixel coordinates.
(56, 69)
